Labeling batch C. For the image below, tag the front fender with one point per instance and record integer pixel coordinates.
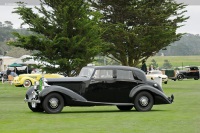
(62, 90)
(159, 96)
(29, 93)
(27, 78)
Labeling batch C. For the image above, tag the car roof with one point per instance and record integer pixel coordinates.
(155, 71)
(114, 67)
(191, 67)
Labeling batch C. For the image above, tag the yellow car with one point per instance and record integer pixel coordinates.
(27, 80)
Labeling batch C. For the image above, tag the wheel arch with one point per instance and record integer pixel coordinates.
(27, 78)
(180, 74)
(158, 96)
(64, 92)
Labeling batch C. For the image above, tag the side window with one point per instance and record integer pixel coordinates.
(103, 74)
(123, 74)
(193, 68)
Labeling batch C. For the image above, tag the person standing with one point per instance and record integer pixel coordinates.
(8, 71)
(13, 73)
(16, 70)
(144, 67)
(2, 77)
(151, 68)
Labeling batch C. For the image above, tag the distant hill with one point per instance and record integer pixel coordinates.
(29, 2)
(189, 44)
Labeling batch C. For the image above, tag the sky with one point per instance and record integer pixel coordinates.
(191, 26)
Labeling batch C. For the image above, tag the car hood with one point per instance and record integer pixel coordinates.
(157, 75)
(67, 79)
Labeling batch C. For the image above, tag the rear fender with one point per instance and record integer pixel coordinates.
(159, 97)
(62, 90)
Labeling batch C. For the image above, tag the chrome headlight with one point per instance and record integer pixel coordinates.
(177, 72)
(36, 85)
(155, 85)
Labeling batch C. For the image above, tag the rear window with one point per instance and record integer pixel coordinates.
(124, 74)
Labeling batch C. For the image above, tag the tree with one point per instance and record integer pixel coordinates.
(138, 29)
(8, 24)
(5, 31)
(154, 64)
(65, 33)
(167, 64)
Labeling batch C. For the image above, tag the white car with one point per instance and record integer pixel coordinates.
(156, 73)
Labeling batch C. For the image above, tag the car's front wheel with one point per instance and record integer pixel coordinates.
(27, 83)
(143, 101)
(53, 103)
(38, 108)
(180, 77)
(124, 108)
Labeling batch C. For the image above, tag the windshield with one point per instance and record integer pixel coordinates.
(155, 72)
(86, 72)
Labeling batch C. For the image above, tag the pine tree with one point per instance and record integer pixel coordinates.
(65, 33)
(167, 64)
(138, 29)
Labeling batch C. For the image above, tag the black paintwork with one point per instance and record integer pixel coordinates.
(191, 72)
(90, 91)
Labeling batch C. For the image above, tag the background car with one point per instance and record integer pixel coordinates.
(27, 80)
(157, 74)
(4, 75)
(190, 72)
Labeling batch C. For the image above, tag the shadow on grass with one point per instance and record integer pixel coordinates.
(108, 111)
(86, 110)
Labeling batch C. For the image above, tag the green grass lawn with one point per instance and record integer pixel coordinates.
(176, 61)
(183, 116)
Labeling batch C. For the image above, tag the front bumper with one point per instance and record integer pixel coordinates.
(164, 79)
(32, 101)
(16, 82)
(171, 99)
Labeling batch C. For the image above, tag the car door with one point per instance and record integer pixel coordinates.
(125, 82)
(101, 87)
(112, 86)
(194, 72)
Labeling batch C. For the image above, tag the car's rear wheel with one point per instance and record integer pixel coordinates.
(143, 101)
(196, 78)
(180, 77)
(27, 83)
(53, 103)
(165, 82)
(38, 108)
(124, 108)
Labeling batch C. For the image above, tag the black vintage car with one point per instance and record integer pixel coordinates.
(122, 86)
(190, 72)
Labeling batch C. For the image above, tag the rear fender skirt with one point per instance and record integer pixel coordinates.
(74, 96)
(160, 97)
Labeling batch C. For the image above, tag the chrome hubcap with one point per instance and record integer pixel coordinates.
(53, 102)
(144, 101)
(27, 83)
